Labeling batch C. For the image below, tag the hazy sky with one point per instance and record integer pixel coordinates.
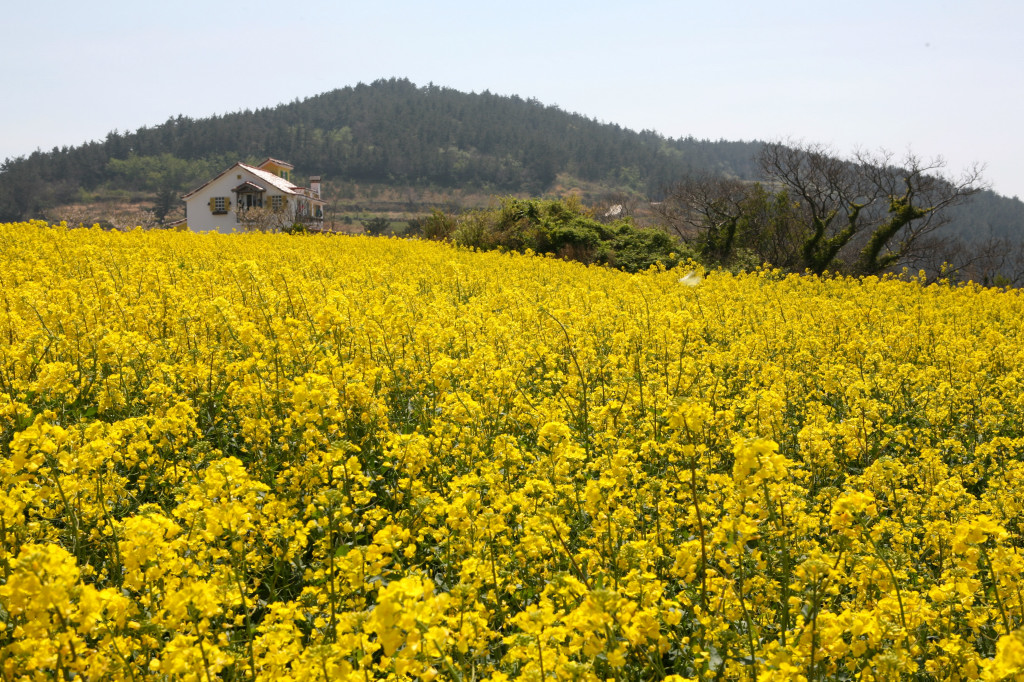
(937, 77)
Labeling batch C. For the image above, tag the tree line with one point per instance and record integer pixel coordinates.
(816, 211)
(813, 211)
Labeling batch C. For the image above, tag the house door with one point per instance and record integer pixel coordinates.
(251, 200)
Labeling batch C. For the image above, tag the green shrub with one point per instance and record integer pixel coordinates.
(376, 226)
(438, 225)
(472, 231)
(563, 228)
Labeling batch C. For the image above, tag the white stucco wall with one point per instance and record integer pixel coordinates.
(197, 207)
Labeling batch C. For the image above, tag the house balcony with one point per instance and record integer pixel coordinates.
(307, 193)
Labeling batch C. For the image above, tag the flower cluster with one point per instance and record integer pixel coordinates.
(268, 457)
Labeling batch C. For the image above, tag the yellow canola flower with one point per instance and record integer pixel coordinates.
(852, 506)
(756, 461)
(1008, 663)
(315, 458)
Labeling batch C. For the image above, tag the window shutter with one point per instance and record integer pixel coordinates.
(227, 203)
(212, 206)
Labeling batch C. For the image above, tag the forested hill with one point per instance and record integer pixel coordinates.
(390, 131)
(393, 132)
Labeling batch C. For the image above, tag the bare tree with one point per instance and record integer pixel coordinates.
(831, 192)
(994, 261)
(1010, 268)
(266, 219)
(704, 204)
(915, 194)
(874, 204)
(730, 219)
(817, 211)
(614, 206)
(128, 220)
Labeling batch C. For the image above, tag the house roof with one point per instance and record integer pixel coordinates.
(249, 186)
(278, 162)
(266, 176)
(276, 181)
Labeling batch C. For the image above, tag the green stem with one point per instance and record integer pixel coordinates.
(895, 583)
(995, 588)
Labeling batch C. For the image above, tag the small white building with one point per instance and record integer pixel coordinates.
(248, 197)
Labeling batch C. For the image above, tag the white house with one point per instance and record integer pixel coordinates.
(221, 203)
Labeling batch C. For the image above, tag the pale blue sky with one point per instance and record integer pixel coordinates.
(941, 78)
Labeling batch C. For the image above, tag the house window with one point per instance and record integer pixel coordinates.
(219, 204)
(249, 200)
(277, 203)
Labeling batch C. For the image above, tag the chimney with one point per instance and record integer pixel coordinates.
(314, 185)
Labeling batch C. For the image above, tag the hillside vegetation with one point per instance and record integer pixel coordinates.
(263, 457)
(392, 147)
(387, 133)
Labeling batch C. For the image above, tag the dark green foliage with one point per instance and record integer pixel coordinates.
(632, 249)
(544, 226)
(154, 173)
(770, 225)
(414, 227)
(376, 226)
(166, 200)
(559, 227)
(437, 225)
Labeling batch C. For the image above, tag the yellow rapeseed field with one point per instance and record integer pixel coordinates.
(260, 457)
